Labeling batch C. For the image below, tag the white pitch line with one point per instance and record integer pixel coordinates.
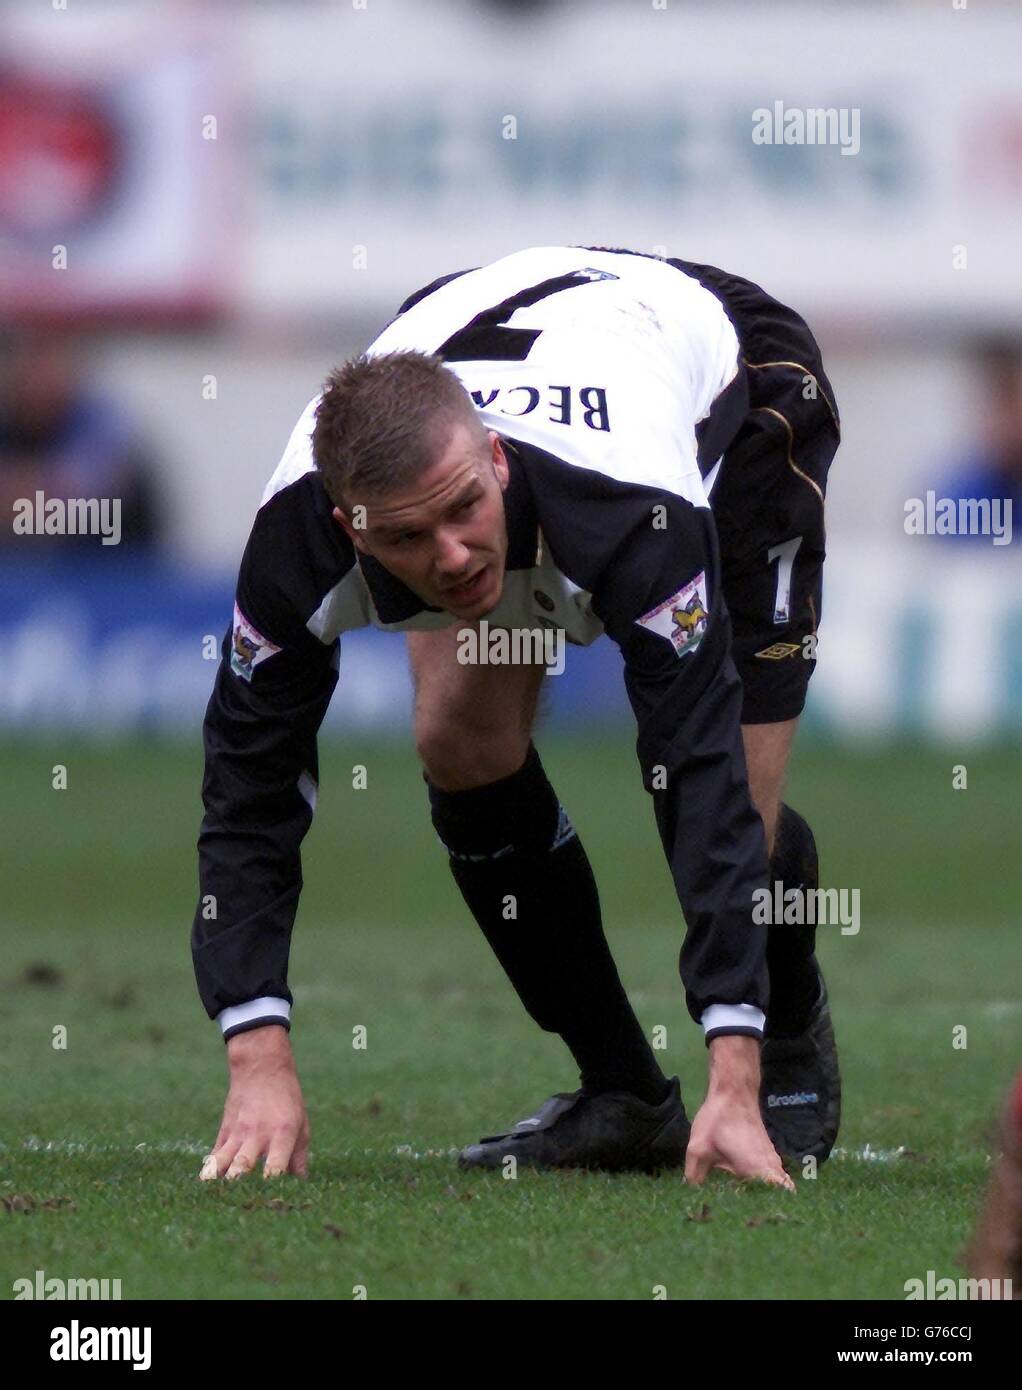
(193, 1147)
(81, 1146)
(865, 1154)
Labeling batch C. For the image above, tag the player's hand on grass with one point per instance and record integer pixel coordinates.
(264, 1114)
(727, 1137)
(728, 1131)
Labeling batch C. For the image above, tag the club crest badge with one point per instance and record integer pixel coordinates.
(682, 619)
(248, 647)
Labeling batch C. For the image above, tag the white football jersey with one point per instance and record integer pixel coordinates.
(628, 357)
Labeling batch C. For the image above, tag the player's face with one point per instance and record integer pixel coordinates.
(445, 536)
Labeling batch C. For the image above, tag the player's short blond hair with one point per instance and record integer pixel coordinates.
(383, 420)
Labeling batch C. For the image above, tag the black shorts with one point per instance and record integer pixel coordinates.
(768, 499)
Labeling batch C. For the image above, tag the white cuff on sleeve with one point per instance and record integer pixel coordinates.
(730, 1017)
(267, 1010)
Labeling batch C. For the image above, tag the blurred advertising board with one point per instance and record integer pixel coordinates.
(932, 647)
(863, 162)
(112, 172)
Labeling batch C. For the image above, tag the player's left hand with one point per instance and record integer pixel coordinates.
(728, 1131)
(730, 1135)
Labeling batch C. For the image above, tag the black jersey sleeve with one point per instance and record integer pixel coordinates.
(649, 559)
(272, 689)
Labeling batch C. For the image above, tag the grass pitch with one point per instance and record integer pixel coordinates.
(102, 1140)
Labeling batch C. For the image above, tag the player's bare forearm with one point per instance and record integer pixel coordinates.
(728, 1131)
(734, 1068)
(264, 1114)
(256, 1045)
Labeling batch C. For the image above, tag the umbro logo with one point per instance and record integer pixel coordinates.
(779, 650)
(795, 1098)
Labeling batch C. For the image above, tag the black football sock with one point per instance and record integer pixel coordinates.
(527, 881)
(794, 980)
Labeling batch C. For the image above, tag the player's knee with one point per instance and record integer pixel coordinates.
(457, 758)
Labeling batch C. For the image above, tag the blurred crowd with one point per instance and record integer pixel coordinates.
(63, 437)
(991, 467)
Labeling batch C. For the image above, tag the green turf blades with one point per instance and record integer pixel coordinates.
(104, 1138)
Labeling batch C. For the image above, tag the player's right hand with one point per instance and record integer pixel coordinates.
(264, 1114)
